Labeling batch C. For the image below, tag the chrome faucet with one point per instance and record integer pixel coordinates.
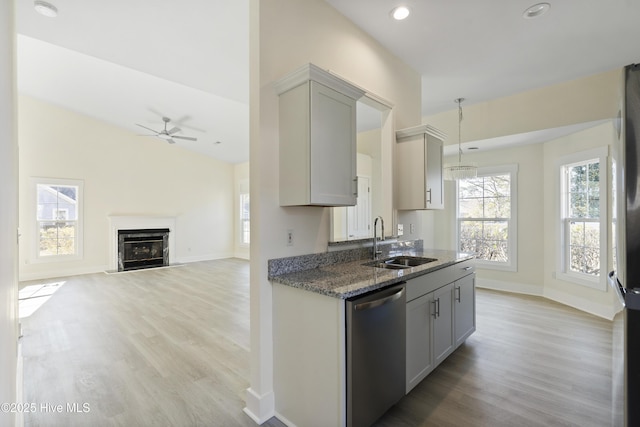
(376, 252)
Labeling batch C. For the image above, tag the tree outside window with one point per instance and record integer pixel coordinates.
(582, 217)
(486, 217)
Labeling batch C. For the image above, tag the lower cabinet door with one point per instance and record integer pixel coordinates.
(442, 323)
(419, 358)
(464, 307)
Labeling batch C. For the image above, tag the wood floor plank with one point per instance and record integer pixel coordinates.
(531, 362)
(170, 347)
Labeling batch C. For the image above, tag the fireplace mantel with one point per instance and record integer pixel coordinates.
(127, 222)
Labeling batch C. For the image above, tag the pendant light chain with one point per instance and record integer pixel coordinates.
(460, 170)
(460, 118)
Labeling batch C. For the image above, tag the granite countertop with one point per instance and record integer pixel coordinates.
(351, 278)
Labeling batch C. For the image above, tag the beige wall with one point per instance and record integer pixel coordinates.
(602, 303)
(9, 366)
(123, 174)
(287, 34)
(597, 97)
(582, 100)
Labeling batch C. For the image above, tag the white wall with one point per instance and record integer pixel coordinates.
(286, 34)
(123, 174)
(8, 215)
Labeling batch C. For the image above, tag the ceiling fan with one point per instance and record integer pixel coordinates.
(168, 135)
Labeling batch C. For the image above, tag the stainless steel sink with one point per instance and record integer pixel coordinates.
(400, 262)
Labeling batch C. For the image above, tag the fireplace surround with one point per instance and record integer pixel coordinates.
(143, 248)
(138, 222)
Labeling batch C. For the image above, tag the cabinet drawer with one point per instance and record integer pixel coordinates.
(429, 282)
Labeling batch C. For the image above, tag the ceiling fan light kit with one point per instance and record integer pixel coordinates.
(167, 135)
(536, 10)
(45, 9)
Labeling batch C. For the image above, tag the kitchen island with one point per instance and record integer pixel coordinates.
(309, 322)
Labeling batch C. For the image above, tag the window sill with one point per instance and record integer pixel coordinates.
(488, 265)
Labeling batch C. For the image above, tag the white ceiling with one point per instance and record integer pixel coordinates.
(134, 61)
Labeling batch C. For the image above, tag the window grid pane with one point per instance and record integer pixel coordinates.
(57, 214)
(245, 234)
(582, 220)
(484, 210)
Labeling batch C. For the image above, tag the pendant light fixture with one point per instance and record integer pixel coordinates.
(460, 170)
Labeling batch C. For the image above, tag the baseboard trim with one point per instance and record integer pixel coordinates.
(284, 420)
(550, 294)
(52, 274)
(518, 288)
(581, 304)
(259, 407)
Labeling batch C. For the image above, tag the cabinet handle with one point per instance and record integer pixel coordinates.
(459, 296)
(435, 310)
(467, 268)
(429, 196)
(355, 180)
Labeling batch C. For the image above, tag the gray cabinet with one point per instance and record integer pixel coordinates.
(317, 147)
(419, 354)
(442, 323)
(440, 317)
(464, 301)
(419, 177)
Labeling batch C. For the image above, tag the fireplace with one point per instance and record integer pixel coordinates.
(143, 248)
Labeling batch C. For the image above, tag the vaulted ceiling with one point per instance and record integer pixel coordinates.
(140, 60)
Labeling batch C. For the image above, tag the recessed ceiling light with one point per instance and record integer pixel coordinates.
(399, 13)
(536, 10)
(46, 9)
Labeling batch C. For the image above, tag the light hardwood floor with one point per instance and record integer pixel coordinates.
(170, 347)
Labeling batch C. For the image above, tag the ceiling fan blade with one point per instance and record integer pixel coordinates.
(188, 138)
(171, 141)
(154, 131)
(174, 130)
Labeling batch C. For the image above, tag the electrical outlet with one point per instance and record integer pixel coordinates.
(412, 228)
(400, 229)
(289, 237)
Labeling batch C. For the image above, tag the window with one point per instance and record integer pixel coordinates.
(58, 219)
(486, 212)
(583, 223)
(245, 237)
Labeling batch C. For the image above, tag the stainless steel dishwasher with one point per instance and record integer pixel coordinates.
(376, 328)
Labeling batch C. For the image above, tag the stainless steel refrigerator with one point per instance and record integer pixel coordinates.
(625, 279)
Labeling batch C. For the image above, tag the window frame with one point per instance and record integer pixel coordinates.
(563, 271)
(79, 238)
(512, 222)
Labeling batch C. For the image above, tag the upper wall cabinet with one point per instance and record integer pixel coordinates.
(317, 138)
(419, 183)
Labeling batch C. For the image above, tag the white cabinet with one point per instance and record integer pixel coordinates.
(464, 301)
(440, 317)
(317, 126)
(419, 179)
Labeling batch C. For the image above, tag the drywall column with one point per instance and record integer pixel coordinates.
(260, 402)
(8, 215)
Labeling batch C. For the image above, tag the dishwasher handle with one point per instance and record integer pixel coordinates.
(379, 302)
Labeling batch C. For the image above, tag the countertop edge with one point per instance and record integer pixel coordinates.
(350, 279)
